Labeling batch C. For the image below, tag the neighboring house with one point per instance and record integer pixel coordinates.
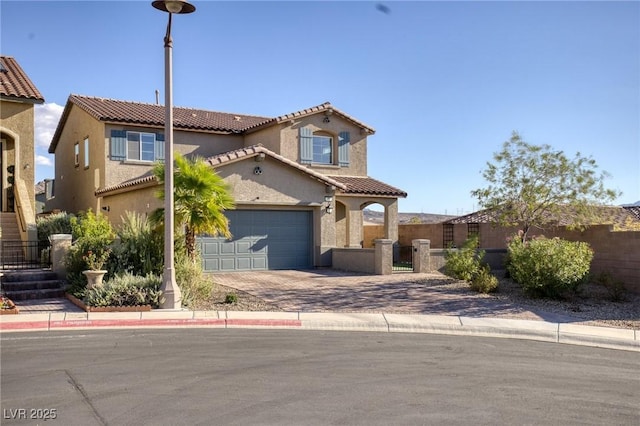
(299, 180)
(18, 96)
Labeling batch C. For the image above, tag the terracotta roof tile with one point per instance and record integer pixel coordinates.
(313, 110)
(14, 83)
(368, 186)
(621, 217)
(254, 150)
(115, 111)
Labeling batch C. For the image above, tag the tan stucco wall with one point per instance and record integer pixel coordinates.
(17, 127)
(75, 185)
(185, 143)
(142, 201)
(284, 140)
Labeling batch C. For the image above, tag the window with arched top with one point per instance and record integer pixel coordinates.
(322, 147)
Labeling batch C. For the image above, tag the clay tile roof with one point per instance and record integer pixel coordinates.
(368, 186)
(14, 83)
(115, 111)
(254, 150)
(324, 107)
(634, 210)
(621, 217)
(147, 178)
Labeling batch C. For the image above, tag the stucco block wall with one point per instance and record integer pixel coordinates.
(143, 201)
(615, 252)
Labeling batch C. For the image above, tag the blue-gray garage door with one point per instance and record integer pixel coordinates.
(262, 239)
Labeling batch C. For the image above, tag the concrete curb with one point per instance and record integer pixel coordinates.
(603, 337)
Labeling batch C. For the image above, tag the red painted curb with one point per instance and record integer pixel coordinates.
(24, 325)
(265, 322)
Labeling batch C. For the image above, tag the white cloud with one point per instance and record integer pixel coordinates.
(46, 121)
(43, 160)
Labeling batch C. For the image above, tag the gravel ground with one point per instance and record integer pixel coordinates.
(592, 304)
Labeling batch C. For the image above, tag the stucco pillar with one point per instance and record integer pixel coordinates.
(60, 246)
(391, 221)
(421, 255)
(354, 223)
(383, 256)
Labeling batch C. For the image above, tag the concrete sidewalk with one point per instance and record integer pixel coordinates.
(603, 337)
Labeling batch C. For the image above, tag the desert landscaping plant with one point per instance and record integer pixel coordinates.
(535, 186)
(200, 199)
(464, 262)
(139, 248)
(483, 281)
(126, 290)
(615, 288)
(552, 268)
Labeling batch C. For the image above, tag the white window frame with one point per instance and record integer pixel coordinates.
(140, 144)
(319, 156)
(86, 152)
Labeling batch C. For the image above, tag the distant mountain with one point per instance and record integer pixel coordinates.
(373, 217)
(636, 204)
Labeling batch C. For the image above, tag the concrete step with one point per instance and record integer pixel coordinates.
(31, 284)
(49, 293)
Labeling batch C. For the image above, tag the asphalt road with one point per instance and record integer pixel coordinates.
(247, 377)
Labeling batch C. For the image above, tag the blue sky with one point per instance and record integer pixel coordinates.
(443, 83)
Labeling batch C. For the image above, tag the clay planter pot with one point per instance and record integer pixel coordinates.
(12, 308)
(94, 278)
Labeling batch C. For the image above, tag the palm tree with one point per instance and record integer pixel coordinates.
(200, 199)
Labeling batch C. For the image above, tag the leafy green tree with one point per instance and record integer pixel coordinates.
(200, 199)
(534, 186)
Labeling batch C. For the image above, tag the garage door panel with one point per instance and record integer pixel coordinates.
(262, 239)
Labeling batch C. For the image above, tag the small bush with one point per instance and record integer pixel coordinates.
(140, 247)
(58, 223)
(482, 281)
(195, 287)
(553, 268)
(92, 233)
(231, 298)
(463, 263)
(615, 288)
(126, 290)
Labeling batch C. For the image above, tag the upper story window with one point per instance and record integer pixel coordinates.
(136, 146)
(322, 149)
(76, 154)
(140, 146)
(86, 152)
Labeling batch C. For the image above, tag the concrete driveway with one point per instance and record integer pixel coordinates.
(328, 290)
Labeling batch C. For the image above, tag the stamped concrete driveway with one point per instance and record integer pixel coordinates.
(328, 290)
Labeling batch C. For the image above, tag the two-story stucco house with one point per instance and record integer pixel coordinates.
(299, 180)
(18, 97)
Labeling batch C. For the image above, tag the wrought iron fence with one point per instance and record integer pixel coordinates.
(403, 258)
(16, 254)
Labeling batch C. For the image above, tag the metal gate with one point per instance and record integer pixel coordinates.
(403, 258)
(16, 254)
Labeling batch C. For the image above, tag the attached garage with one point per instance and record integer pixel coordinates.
(262, 240)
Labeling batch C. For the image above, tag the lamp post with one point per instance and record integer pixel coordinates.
(170, 290)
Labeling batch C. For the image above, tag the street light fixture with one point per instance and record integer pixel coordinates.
(170, 290)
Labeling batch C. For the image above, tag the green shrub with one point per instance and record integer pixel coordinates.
(57, 223)
(92, 233)
(139, 248)
(231, 298)
(615, 288)
(463, 263)
(552, 268)
(126, 290)
(195, 287)
(482, 281)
